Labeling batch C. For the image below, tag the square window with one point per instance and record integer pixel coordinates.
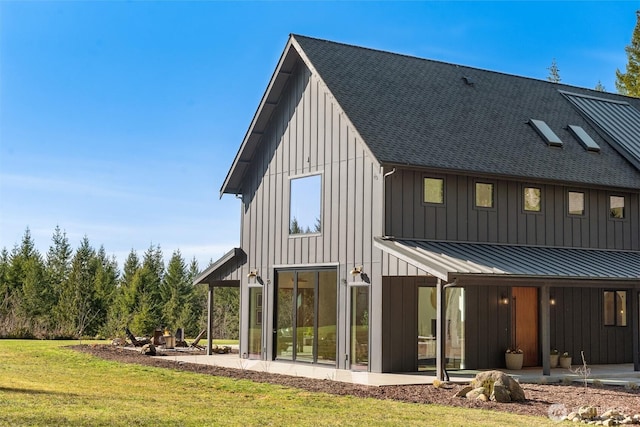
(434, 190)
(484, 195)
(576, 203)
(532, 199)
(616, 207)
(615, 308)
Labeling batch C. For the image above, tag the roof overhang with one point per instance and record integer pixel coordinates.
(288, 60)
(484, 262)
(221, 272)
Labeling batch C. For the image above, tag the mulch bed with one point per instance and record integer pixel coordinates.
(540, 397)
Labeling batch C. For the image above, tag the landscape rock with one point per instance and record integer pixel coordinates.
(474, 393)
(490, 379)
(500, 394)
(463, 391)
(587, 412)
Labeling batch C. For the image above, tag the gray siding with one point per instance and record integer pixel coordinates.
(309, 134)
(458, 220)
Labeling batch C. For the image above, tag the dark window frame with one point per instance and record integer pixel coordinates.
(584, 203)
(494, 189)
(522, 193)
(624, 208)
(620, 323)
(444, 190)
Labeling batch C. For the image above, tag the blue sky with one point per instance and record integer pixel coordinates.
(119, 120)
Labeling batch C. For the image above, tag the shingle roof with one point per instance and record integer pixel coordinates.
(419, 112)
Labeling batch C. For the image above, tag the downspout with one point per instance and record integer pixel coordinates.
(384, 200)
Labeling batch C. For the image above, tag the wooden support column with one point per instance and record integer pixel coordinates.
(440, 328)
(635, 325)
(210, 321)
(545, 324)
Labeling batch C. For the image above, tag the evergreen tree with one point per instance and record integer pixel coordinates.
(124, 299)
(554, 72)
(176, 292)
(25, 280)
(57, 268)
(628, 83)
(77, 308)
(147, 314)
(600, 87)
(106, 281)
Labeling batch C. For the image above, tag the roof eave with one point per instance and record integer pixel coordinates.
(268, 103)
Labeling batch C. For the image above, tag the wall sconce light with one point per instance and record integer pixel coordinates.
(356, 270)
(252, 274)
(552, 300)
(503, 299)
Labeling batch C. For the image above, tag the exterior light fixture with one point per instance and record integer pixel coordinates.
(252, 274)
(552, 300)
(503, 299)
(356, 270)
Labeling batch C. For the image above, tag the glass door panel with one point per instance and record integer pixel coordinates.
(426, 328)
(255, 323)
(359, 328)
(285, 315)
(305, 316)
(327, 315)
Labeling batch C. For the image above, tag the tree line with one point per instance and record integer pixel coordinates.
(74, 293)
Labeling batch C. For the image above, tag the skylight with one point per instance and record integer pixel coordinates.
(546, 133)
(584, 138)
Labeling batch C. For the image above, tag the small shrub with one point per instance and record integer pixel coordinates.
(631, 385)
(597, 383)
(437, 383)
(567, 381)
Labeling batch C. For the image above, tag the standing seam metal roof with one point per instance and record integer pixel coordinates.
(447, 258)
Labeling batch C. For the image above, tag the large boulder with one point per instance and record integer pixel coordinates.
(508, 389)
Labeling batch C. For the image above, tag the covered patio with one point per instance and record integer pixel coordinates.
(222, 273)
(470, 265)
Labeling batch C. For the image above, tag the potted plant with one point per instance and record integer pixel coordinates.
(513, 358)
(565, 360)
(554, 358)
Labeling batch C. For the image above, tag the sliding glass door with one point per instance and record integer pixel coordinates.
(305, 315)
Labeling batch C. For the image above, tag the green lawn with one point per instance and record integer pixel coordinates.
(42, 383)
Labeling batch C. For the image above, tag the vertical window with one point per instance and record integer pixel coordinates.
(576, 203)
(616, 207)
(484, 195)
(531, 199)
(434, 190)
(305, 201)
(615, 308)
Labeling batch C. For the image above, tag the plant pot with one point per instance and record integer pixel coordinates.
(553, 359)
(513, 361)
(565, 362)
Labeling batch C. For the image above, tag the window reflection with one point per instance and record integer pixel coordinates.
(305, 200)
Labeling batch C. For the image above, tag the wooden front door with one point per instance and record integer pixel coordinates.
(525, 322)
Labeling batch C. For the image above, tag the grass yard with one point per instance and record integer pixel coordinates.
(42, 383)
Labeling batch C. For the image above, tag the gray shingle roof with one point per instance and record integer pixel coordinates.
(418, 112)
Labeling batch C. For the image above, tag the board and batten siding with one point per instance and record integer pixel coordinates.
(309, 134)
(459, 220)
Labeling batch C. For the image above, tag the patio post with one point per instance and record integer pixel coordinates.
(635, 323)
(440, 331)
(210, 321)
(545, 313)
